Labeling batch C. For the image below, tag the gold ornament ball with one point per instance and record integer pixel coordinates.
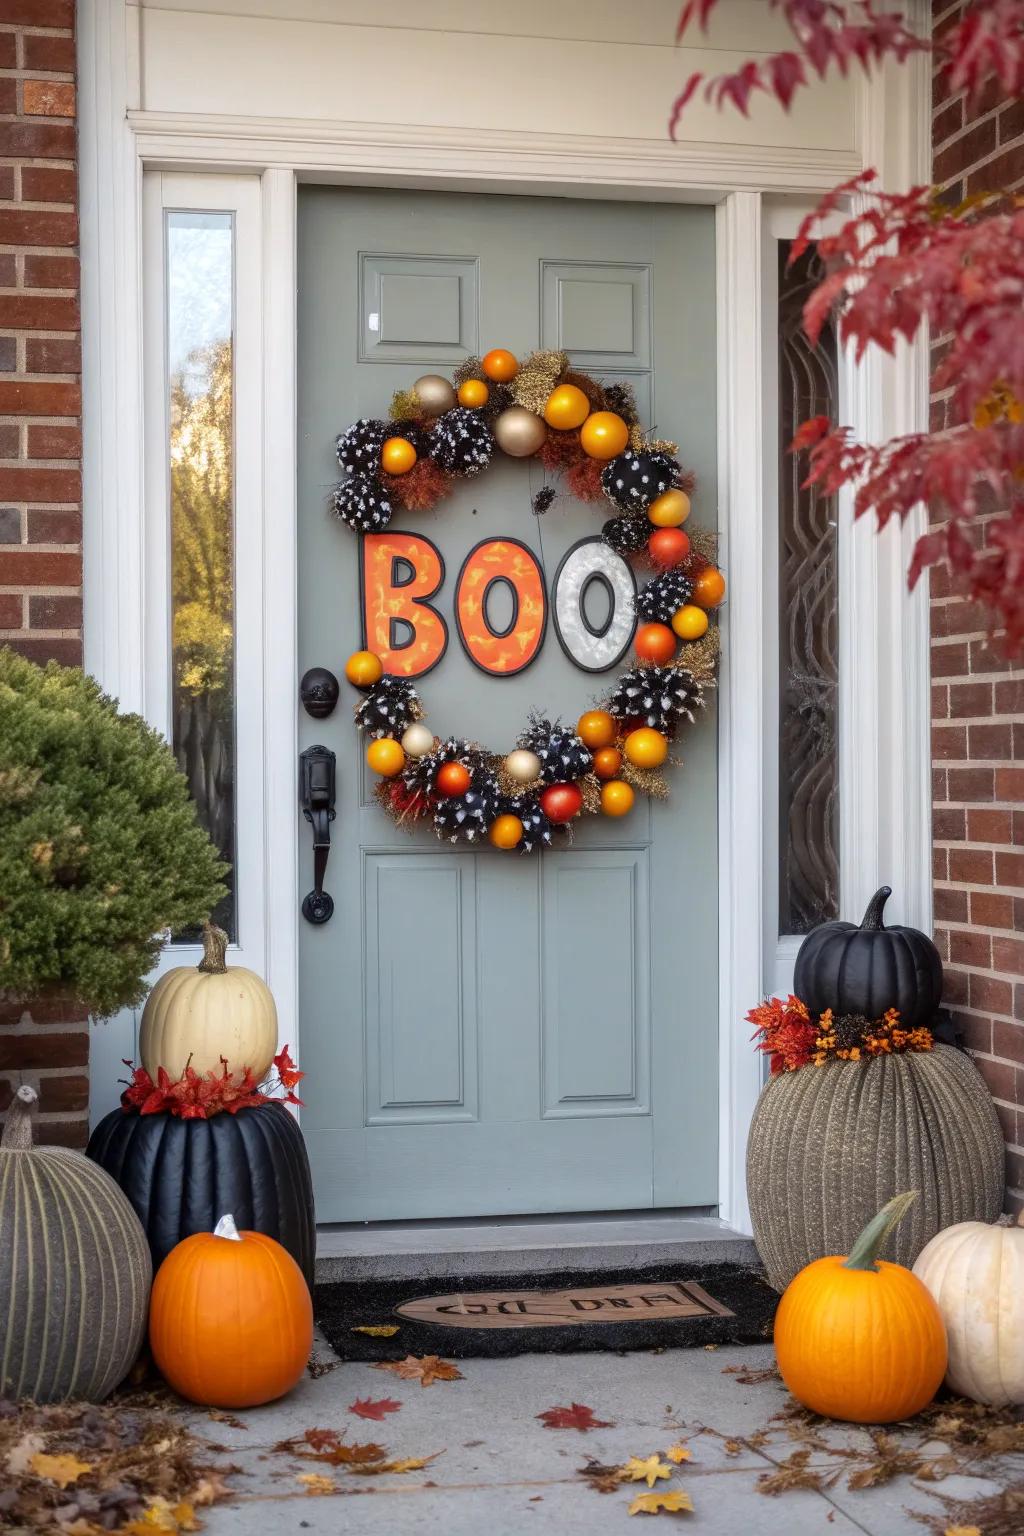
(363, 669)
(397, 456)
(473, 393)
(434, 393)
(385, 757)
(690, 622)
(646, 748)
(616, 798)
(604, 435)
(417, 740)
(669, 509)
(519, 433)
(506, 832)
(523, 766)
(567, 407)
(500, 365)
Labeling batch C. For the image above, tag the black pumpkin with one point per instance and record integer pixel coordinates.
(868, 969)
(182, 1175)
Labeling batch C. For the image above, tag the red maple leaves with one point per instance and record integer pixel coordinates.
(374, 1408)
(785, 1031)
(196, 1096)
(577, 1416)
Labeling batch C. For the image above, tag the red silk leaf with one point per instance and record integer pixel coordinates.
(577, 1416)
(371, 1408)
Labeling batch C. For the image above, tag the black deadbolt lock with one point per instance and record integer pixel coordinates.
(316, 796)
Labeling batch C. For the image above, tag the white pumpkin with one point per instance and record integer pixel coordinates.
(975, 1272)
(196, 1015)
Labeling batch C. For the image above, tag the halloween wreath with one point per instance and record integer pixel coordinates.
(442, 431)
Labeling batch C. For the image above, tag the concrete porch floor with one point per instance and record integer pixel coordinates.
(503, 1472)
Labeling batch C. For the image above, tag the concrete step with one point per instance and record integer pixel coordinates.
(427, 1249)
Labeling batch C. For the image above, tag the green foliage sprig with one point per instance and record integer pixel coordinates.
(100, 846)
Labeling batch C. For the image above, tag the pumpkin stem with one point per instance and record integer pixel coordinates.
(17, 1135)
(865, 1250)
(215, 947)
(872, 921)
(226, 1228)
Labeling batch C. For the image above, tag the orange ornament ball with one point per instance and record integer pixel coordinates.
(453, 779)
(506, 832)
(608, 763)
(397, 456)
(616, 798)
(690, 622)
(669, 509)
(655, 642)
(567, 408)
(500, 365)
(596, 729)
(473, 393)
(668, 546)
(385, 756)
(646, 748)
(709, 587)
(604, 435)
(363, 669)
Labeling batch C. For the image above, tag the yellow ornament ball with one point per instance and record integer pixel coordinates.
(617, 798)
(473, 393)
(397, 456)
(646, 748)
(500, 365)
(363, 669)
(690, 622)
(567, 407)
(604, 435)
(669, 509)
(385, 757)
(597, 729)
(506, 832)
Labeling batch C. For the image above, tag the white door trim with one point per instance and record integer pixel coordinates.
(884, 753)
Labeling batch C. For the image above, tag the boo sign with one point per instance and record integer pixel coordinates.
(402, 574)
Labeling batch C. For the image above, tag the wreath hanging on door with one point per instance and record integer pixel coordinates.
(442, 431)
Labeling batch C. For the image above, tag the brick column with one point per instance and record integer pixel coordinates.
(40, 448)
(978, 715)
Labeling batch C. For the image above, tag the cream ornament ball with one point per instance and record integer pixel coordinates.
(417, 740)
(435, 394)
(195, 1015)
(519, 433)
(975, 1272)
(523, 766)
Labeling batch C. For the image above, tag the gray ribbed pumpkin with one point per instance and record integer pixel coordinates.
(829, 1145)
(75, 1270)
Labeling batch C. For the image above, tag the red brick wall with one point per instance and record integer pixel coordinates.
(978, 718)
(40, 447)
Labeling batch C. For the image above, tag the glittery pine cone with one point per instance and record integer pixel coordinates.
(461, 442)
(660, 697)
(626, 535)
(563, 757)
(388, 707)
(663, 597)
(362, 503)
(358, 449)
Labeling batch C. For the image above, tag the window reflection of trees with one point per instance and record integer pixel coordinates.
(202, 580)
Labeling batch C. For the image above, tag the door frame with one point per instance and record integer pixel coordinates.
(884, 673)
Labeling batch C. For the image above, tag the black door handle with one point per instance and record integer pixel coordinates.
(316, 796)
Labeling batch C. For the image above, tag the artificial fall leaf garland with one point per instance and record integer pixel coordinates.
(588, 434)
(195, 1096)
(792, 1039)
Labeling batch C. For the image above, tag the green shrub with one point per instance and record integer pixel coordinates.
(100, 847)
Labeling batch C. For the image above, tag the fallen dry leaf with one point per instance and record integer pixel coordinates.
(603, 1479)
(426, 1369)
(377, 1330)
(962, 1530)
(352, 1455)
(318, 1368)
(316, 1482)
(677, 1502)
(645, 1470)
(61, 1470)
(221, 1416)
(161, 1516)
(578, 1416)
(404, 1464)
(748, 1377)
(678, 1453)
(733, 1447)
(317, 1439)
(369, 1408)
(793, 1473)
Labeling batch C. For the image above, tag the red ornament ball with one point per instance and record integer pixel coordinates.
(655, 642)
(668, 546)
(561, 802)
(453, 779)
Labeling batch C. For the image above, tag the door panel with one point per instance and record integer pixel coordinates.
(484, 1032)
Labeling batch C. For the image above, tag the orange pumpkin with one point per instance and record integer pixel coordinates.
(858, 1338)
(230, 1318)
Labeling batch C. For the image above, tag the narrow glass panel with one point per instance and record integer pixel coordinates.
(200, 299)
(808, 622)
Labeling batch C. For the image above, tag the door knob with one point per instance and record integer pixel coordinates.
(316, 796)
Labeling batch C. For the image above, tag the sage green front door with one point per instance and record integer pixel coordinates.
(483, 1032)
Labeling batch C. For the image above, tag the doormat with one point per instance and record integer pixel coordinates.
(668, 1307)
